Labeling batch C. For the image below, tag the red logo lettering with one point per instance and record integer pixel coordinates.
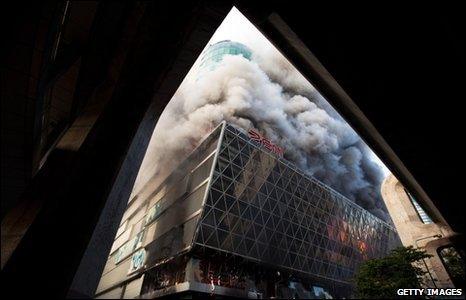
(255, 136)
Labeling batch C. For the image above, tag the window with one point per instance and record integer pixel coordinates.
(421, 213)
(154, 212)
(129, 247)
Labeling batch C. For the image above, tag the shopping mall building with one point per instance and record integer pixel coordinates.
(236, 219)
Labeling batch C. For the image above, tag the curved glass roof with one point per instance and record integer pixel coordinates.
(215, 53)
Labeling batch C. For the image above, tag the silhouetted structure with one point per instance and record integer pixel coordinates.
(83, 84)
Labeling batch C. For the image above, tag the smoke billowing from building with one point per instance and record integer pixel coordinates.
(267, 93)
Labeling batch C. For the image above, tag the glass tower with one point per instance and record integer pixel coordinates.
(214, 54)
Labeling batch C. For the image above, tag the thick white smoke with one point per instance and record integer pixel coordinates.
(268, 94)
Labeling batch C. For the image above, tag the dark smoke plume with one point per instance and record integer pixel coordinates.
(268, 94)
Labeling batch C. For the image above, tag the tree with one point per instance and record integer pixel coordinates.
(454, 265)
(382, 277)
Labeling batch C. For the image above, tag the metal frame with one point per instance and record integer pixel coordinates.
(280, 216)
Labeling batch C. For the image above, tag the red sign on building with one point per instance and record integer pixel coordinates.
(257, 137)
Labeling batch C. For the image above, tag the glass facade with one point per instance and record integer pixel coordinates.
(262, 207)
(234, 203)
(215, 53)
(421, 212)
(160, 221)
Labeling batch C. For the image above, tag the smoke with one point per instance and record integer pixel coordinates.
(268, 94)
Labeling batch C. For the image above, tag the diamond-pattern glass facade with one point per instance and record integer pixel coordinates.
(263, 208)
